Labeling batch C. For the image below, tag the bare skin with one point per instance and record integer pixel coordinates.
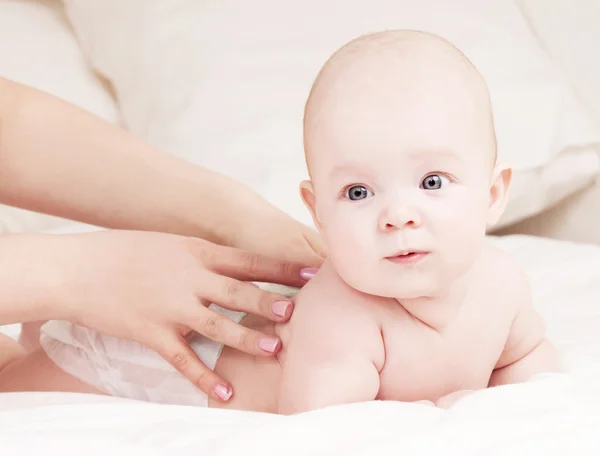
(412, 304)
(58, 159)
(479, 346)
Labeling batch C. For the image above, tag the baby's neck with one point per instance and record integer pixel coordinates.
(439, 309)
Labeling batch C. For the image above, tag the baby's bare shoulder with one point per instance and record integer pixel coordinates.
(329, 316)
(328, 293)
(503, 264)
(504, 278)
(326, 301)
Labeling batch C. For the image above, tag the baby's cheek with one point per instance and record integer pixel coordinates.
(344, 231)
(462, 239)
(351, 252)
(345, 246)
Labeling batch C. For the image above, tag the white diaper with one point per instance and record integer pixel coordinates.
(124, 368)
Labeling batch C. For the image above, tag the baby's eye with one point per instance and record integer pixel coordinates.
(357, 192)
(434, 182)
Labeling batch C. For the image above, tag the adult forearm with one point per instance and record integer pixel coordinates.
(60, 160)
(28, 286)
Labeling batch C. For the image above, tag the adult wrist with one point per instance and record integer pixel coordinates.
(224, 212)
(30, 287)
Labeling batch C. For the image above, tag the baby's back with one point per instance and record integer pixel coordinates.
(255, 379)
(413, 360)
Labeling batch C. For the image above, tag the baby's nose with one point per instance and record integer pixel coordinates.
(399, 216)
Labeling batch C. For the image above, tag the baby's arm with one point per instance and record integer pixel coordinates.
(331, 358)
(527, 351)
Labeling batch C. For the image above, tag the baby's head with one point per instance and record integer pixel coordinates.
(401, 151)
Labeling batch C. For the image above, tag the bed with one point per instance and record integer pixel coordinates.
(177, 75)
(551, 414)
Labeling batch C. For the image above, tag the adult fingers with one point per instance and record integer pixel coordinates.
(307, 248)
(317, 245)
(249, 266)
(223, 330)
(245, 297)
(176, 350)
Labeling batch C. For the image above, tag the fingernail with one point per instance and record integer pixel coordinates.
(223, 392)
(268, 344)
(308, 273)
(280, 307)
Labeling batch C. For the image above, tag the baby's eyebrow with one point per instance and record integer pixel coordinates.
(420, 154)
(347, 169)
(363, 170)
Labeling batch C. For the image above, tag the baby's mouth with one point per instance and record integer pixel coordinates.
(409, 257)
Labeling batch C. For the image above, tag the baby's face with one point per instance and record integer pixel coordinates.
(401, 182)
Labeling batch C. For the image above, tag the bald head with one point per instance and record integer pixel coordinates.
(399, 142)
(401, 69)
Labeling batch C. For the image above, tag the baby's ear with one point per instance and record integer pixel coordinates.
(307, 193)
(501, 181)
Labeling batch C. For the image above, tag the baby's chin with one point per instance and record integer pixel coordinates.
(405, 288)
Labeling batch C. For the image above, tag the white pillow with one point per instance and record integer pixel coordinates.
(576, 219)
(223, 83)
(569, 31)
(37, 48)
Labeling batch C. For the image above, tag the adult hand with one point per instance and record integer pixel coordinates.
(284, 238)
(248, 221)
(154, 288)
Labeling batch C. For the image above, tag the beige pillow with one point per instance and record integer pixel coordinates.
(570, 33)
(223, 84)
(576, 218)
(37, 48)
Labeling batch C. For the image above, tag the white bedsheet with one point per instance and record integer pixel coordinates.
(555, 415)
(552, 414)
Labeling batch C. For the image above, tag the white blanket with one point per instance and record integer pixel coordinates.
(559, 414)
(552, 414)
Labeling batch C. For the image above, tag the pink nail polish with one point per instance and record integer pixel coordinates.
(268, 344)
(223, 392)
(308, 273)
(280, 307)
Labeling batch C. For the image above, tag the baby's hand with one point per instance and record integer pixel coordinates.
(425, 402)
(450, 399)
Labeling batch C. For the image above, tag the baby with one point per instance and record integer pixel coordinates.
(412, 304)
